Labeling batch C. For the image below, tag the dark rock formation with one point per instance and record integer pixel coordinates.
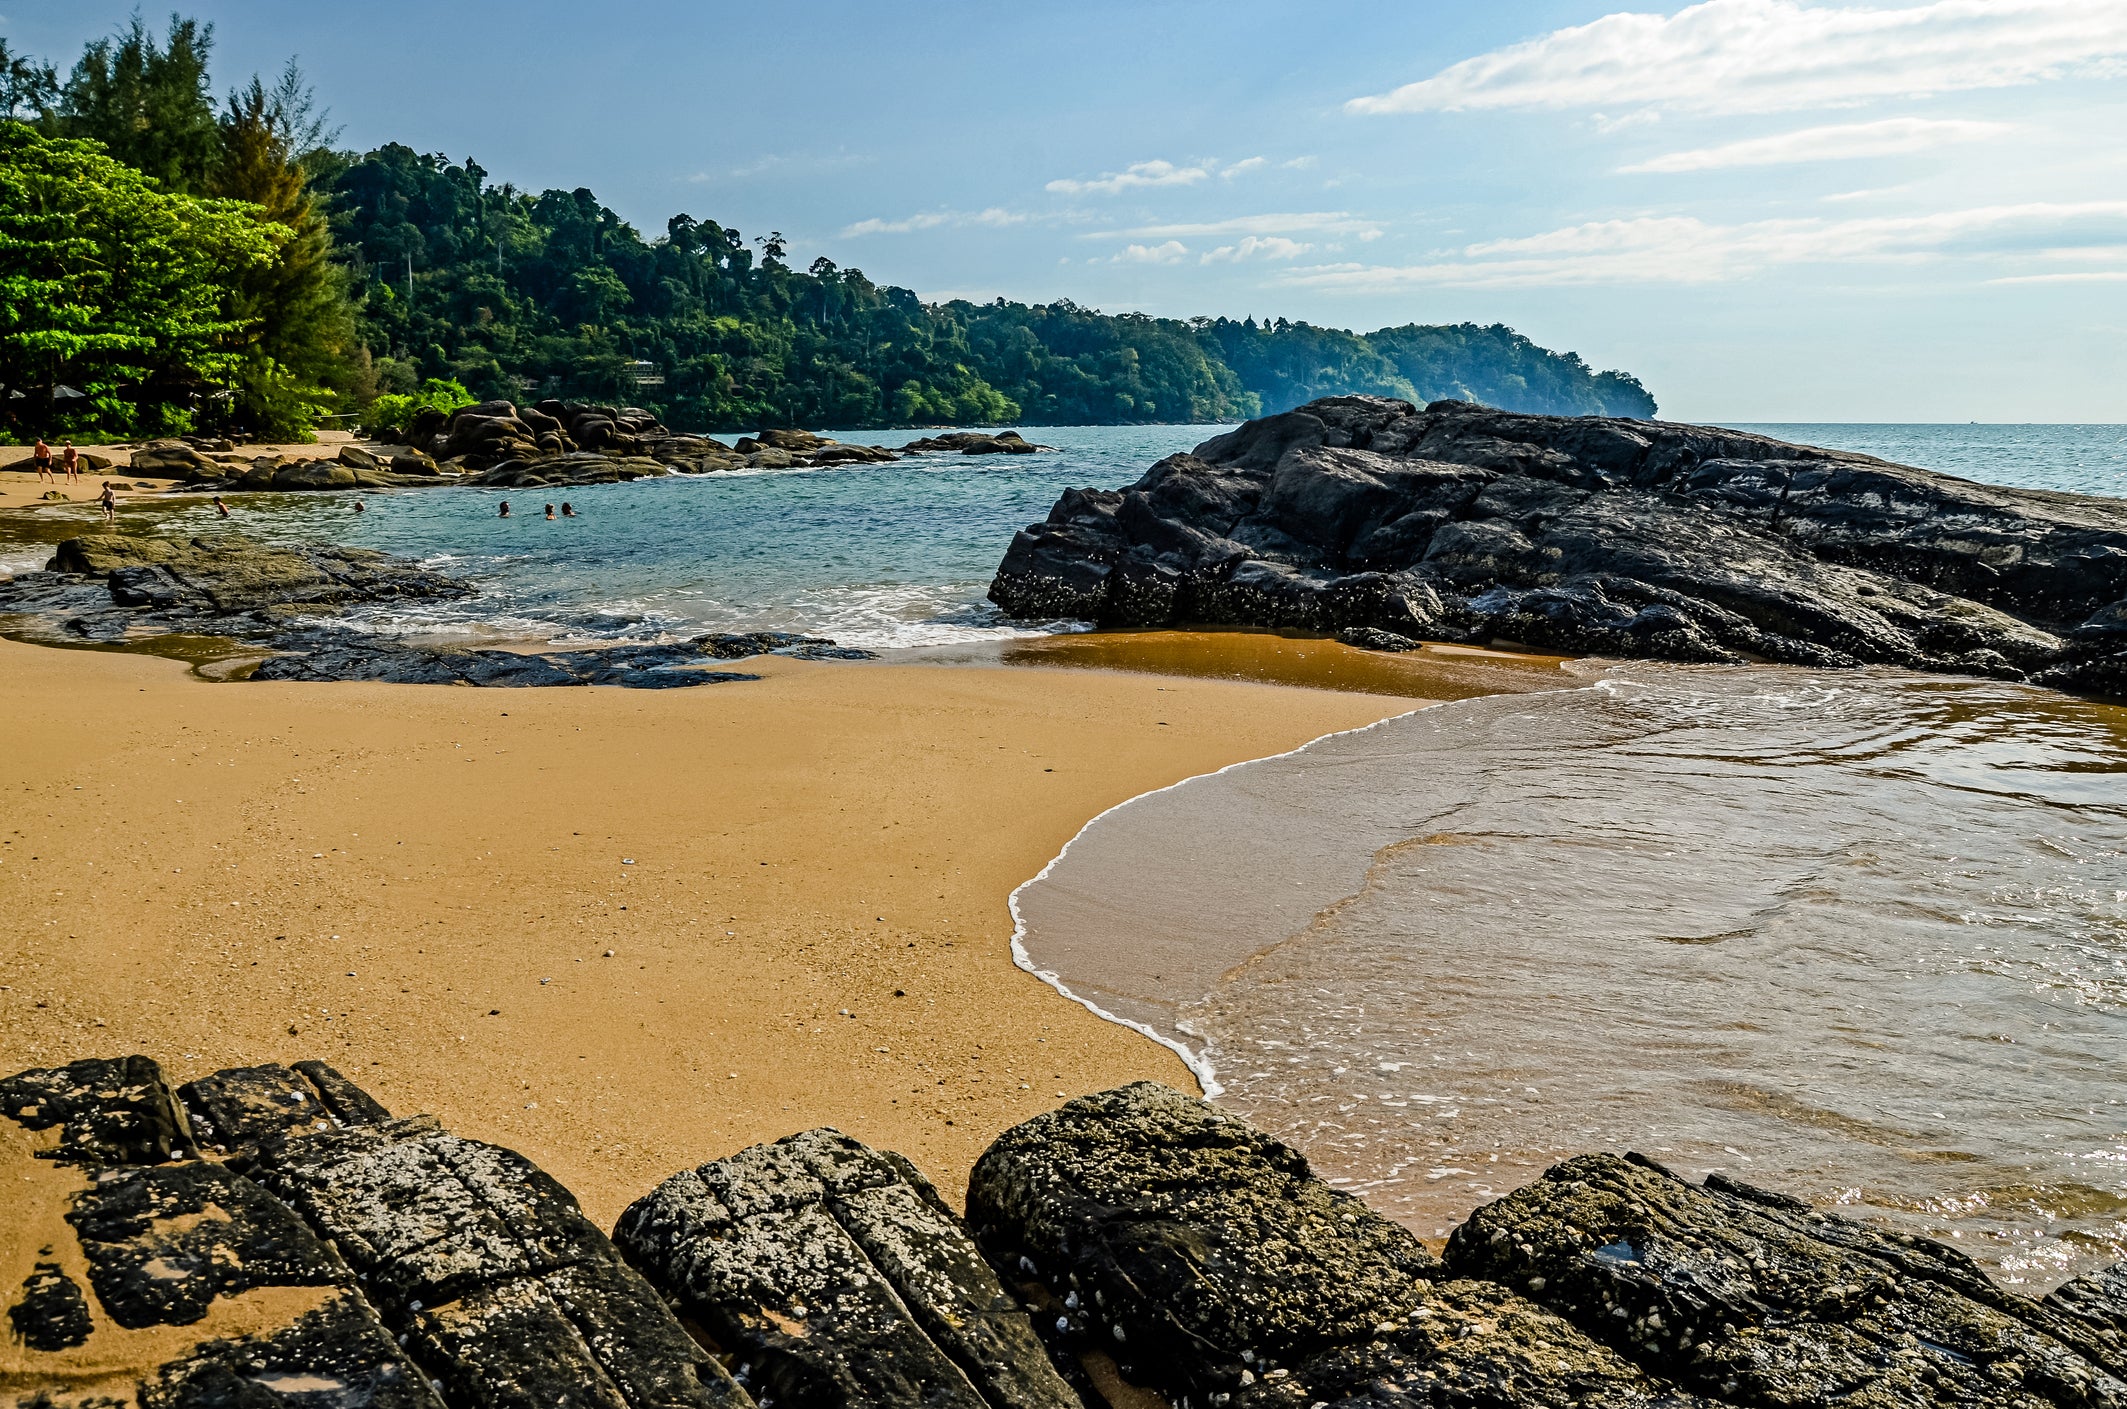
(1759, 1299)
(122, 587)
(737, 645)
(837, 1277)
(503, 1289)
(338, 655)
(1583, 534)
(171, 459)
(376, 1263)
(974, 443)
(784, 449)
(1212, 1265)
(163, 1236)
(412, 1269)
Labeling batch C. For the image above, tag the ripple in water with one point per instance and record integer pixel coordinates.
(1861, 936)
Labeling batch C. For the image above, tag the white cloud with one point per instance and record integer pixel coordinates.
(1686, 250)
(1256, 247)
(1138, 173)
(1324, 222)
(1893, 136)
(1298, 164)
(2090, 276)
(1773, 55)
(1172, 252)
(1241, 168)
(996, 217)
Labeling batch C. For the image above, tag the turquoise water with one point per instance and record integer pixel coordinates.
(879, 555)
(872, 555)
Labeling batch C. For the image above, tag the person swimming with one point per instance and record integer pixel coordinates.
(568, 510)
(360, 507)
(550, 511)
(221, 510)
(504, 511)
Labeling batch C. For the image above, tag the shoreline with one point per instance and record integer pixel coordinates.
(819, 863)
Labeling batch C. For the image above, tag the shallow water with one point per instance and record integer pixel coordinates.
(872, 555)
(1857, 935)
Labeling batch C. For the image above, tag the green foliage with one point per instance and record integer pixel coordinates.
(521, 295)
(391, 411)
(149, 103)
(396, 272)
(115, 287)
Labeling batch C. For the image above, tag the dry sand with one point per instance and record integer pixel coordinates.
(621, 931)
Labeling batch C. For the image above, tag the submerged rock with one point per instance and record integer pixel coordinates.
(837, 1277)
(1586, 534)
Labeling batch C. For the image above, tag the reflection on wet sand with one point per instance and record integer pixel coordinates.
(1438, 672)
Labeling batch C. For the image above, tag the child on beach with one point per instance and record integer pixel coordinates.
(70, 461)
(42, 455)
(109, 502)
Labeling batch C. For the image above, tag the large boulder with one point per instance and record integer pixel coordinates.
(313, 474)
(1584, 534)
(837, 1276)
(1211, 1264)
(171, 459)
(1757, 1298)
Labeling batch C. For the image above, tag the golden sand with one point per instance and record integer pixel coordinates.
(621, 931)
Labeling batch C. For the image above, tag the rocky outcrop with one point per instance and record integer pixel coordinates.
(1756, 1298)
(230, 573)
(1211, 1264)
(143, 1234)
(1590, 535)
(322, 656)
(836, 1276)
(974, 443)
(1134, 1240)
(408, 1268)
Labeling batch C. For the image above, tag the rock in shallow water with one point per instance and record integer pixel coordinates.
(1587, 535)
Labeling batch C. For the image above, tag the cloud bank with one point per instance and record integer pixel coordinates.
(1743, 56)
(1893, 136)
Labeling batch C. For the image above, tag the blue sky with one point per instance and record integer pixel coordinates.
(1767, 209)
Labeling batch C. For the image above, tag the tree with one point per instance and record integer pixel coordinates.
(149, 104)
(27, 88)
(302, 346)
(116, 287)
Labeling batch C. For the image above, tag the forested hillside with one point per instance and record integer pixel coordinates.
(396, 272)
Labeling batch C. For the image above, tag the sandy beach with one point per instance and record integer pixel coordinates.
(621, 931)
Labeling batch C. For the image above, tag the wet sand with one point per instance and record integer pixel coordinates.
(801, 883)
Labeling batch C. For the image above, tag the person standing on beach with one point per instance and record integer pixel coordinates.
(109, 503)
(70, 461)
(42, 455)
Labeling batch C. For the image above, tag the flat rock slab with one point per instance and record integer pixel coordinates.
(323, 656)
(161, 1279)
(1758, 1299)
(1211, 1263)
(234, 1110)
(491, 1270)
(837, 1277)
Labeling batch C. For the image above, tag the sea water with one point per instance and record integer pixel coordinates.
(1857, 935)
(883, 555)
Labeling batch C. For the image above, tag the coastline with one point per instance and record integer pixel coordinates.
(247, 873)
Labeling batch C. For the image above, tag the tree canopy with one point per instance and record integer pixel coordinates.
(396, 271)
